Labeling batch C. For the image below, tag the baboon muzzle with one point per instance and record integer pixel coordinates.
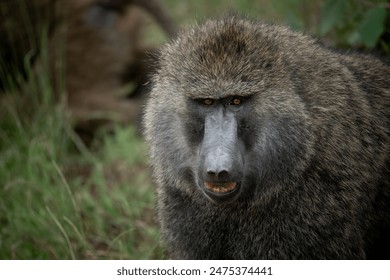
(220, 156)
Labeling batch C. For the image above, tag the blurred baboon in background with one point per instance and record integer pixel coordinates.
(104, 51)
(101, 41)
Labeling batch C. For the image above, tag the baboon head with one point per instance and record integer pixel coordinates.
(224, 116)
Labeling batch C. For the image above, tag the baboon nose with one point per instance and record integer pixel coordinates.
(218, 174)
(218, 167)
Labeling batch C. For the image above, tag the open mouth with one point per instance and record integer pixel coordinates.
(220, 187)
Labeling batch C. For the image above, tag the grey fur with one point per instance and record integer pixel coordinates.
(317, 167)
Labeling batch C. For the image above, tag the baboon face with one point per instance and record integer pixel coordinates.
(220, 146)
(237, 151)
(223, 116)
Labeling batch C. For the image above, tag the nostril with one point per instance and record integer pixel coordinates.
(223, 173)
(211, 172)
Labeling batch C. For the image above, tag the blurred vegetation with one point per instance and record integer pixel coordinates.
(62, 200)
(358, 24)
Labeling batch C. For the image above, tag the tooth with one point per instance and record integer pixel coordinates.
(220, 187)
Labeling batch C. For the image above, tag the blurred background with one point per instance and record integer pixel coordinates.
(74, 177)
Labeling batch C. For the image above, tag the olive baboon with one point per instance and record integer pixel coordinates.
(104, 52)
(266, 145)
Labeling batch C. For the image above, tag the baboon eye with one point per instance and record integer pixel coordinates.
(208, 101)
(235, 101)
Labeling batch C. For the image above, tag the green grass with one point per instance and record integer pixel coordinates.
(60, 199)
(56, 203)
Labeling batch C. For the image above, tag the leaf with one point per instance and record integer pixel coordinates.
(372, 26)
(332, 14)
(353, 38)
